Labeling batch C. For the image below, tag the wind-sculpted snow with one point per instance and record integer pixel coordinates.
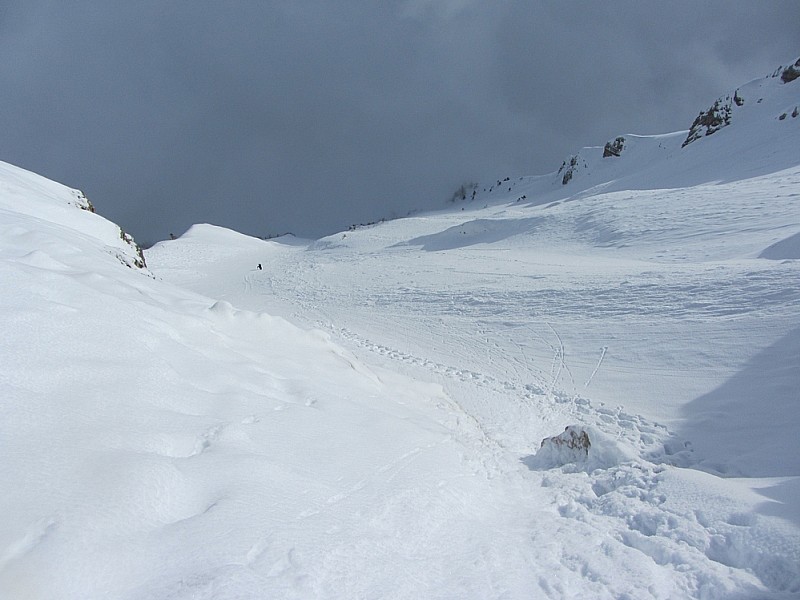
(785, 249)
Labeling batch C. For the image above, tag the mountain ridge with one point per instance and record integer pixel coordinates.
(757, 109)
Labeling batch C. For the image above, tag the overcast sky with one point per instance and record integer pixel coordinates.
(309, 115)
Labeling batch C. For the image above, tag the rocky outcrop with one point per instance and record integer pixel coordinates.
(715, 118)
(791, 72)
(614, 148)
(138, 256)
(465, 190)
(132, 257)
(568, 168)
(721, 112)
(81, 201)
(571, 446)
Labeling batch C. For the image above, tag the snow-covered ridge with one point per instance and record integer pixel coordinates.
(66, 215)
(764, 111)
(763, 98)
(157, 443)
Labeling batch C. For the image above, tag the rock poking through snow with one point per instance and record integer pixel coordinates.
(571, 446)
(715, 118)
(614, 148)
(791, 72)
(580, 448)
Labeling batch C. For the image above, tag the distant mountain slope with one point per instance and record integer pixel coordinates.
(765, 99)
(751, 131)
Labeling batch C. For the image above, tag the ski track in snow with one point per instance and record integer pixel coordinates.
(631, 500)
(709, 555)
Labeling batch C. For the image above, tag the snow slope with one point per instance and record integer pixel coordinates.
(160, 444)
(362, 418)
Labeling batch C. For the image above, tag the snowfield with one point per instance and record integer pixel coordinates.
(364, 416)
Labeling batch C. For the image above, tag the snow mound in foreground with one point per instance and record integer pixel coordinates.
(579, 447)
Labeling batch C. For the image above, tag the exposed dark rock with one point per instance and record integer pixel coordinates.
(791, 72)
(712, 120)
(82, 201)
(573, 438)
(614, 148)
(138, 261)
(568, 168)
(571, 446)
(463, 191)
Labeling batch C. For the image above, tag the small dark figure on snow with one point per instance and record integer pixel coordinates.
(259, 266)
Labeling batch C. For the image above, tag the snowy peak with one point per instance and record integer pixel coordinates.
(753, 107)
(749, 102)
(39, 213)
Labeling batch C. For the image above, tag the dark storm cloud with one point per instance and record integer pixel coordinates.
(307, 116)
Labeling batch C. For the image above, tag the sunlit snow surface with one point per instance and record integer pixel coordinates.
(360, 418)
